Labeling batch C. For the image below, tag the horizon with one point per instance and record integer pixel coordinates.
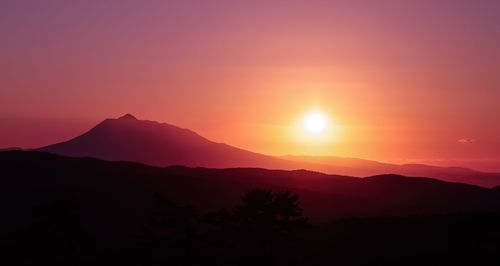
(445, 163)
(392, 82)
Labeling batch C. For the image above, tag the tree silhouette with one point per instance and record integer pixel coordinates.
(170, 235)
(264, 227)
(264, 213)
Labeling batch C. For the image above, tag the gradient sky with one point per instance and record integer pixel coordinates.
(403, 80)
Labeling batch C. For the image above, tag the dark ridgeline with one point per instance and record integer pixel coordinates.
(83, 211)
(362, 167)
(161, 144)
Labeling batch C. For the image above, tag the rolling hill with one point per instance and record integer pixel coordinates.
(116, 197)
(361, 167)
(113, 201)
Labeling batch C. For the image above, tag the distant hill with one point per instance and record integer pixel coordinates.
(161, 144)
(10, 149)
(361, 167)
(117, 196)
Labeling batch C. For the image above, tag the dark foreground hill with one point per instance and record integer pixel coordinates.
(116, 197)
(81, 211)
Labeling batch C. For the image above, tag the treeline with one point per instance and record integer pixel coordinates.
(265, 228)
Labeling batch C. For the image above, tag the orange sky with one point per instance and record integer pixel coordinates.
(403, 81)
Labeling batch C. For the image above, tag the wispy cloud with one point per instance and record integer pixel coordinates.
(466, 140)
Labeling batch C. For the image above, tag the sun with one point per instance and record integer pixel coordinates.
(315, 131)
(315, 122)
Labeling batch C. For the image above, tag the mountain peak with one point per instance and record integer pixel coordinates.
(128, 116)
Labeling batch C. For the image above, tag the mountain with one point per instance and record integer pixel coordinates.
(361, 167)
(161, 144)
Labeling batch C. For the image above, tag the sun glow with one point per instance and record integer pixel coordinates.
(315, 123)
(315, 132)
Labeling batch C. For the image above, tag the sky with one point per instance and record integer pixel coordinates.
(399, 81)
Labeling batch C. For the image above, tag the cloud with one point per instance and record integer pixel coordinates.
(466, 140)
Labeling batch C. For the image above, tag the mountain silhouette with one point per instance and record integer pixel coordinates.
(159, 144)
(128, 116)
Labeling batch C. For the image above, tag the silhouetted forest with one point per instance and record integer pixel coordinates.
(80, 211)
(266, 228)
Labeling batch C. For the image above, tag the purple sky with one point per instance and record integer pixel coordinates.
(404, 80)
